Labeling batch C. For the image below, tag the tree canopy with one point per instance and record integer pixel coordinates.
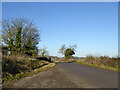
(67, 51)
(20, 36)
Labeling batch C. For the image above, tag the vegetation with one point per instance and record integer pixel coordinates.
(19, 48)
(67, 51)
(44, 52)
(17, 69)
(95, 65)
(19, 36)
(103, 62)
(62, 49)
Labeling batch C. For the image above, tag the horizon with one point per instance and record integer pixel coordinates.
(92, 26)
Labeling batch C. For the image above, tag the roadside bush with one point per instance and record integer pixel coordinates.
(103, 61)
(15, 69)
(10, 65)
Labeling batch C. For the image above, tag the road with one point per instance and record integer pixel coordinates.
(69, 75)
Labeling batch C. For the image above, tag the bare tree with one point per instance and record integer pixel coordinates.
(44, 52)
(73, 47)
(62, 49)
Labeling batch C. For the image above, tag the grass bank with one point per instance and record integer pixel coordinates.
(104, 62)
(98, 66)
(14, 69)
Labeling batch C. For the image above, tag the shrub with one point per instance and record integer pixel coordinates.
(10, 65)
(15, 69)
(103, 60)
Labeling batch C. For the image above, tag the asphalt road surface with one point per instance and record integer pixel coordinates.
(69, 75)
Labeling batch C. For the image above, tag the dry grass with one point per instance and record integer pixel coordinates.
(17, 57)
(103, 61)
(16, 67)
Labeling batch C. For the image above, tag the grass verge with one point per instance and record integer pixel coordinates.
(99, 66)
(21, 75)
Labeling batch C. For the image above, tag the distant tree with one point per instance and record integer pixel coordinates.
(43, 52)
(62, 50)
(73, 47)
(20, 36)
(67, 51)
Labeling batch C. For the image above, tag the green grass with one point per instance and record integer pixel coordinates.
(99, 66)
